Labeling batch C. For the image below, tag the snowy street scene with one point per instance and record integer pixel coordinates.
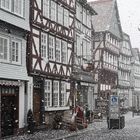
(97, 130)
(69, 70)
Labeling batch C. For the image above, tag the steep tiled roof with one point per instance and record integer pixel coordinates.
(104, 8)
(107, 18)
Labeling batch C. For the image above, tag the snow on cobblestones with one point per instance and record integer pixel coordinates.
(95, 131)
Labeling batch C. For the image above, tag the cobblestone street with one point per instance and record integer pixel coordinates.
(96, 130)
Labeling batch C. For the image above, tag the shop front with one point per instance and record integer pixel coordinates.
(9, 95)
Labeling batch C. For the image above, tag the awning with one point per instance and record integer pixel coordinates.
(10, 83)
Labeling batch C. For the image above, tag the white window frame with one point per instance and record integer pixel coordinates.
(48, 93)
(84, 49)
(78, 46)
(63, 93)
(89, 56)
(46, 8)
(79, 12)
(64, 52)
(89, 20)
(58, 50)
(60, 11)
(51, 48)
(53, 8)
(5, 7)
(56, 94)
(44, 45)
(66, 18)
(17, 54)
(2, 53)
(84, 17)
(15, 6)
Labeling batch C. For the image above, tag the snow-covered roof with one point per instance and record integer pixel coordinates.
(101, 21)
(107, 11)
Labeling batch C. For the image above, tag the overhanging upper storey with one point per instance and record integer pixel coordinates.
(55, 17)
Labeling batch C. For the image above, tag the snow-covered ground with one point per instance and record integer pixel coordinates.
(95, 131)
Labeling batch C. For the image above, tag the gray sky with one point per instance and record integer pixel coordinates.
(129, 11)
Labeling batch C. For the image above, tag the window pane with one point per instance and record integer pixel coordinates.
(48, 92)
(78, 46)
(66, 17)
(56, 93)
(51, 48)
(46, 7)
(60, 14)
(63, 93)
(53, 11)
(16, 52)
(64, 52)
(58, 50)
(5, 4)
(3, 48)
(44, 45)
(17, 7)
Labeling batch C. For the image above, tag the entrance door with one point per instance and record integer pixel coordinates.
(36, 105)
(9, 114)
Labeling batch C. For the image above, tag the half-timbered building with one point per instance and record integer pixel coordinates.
(135, 78)
(50, 48)
(83, 66)
(124, 73)
(108, 36)
(14, 25)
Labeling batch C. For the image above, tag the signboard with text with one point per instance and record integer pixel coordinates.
(114, 107)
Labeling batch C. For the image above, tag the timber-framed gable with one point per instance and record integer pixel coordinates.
(40, 24)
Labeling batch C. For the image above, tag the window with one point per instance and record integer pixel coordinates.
(44, 45)
(14, 6)
(46, 7)
(5, 4)
(53, 11)
(48, 93)
(64, 52)
(89, 20)
(78, 46)
(17, 7)
(84, 17)
(66, 17)
(4, 55)
(58, 50)
(60, 14)
(63, 93)
(78, 12)
(84, 49)
(51, 48)
(55, 93)
(16, 52)
(88, 51)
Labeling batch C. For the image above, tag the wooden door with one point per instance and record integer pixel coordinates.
(36, 105)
